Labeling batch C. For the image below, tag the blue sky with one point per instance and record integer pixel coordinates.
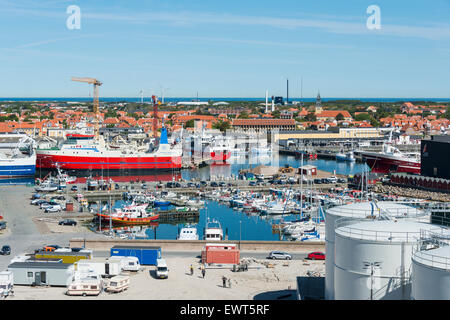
(225, 48)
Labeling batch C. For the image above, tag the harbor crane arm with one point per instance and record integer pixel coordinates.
(96, 84)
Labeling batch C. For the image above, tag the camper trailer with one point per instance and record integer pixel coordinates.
(100, 266)
(6, 283)
(127, 263)
(118, 284)
(85, 284)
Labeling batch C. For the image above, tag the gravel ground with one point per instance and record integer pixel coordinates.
(258, 281)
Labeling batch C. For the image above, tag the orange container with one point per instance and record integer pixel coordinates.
(69, 206)
(220, 256)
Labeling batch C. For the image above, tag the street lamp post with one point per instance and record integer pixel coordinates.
(372, 266)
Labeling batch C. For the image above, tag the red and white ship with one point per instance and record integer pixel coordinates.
(90, 152)
(390, 160)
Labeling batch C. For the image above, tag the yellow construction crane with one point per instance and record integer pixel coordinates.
(96, 84)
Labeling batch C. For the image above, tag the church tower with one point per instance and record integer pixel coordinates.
(318, 108)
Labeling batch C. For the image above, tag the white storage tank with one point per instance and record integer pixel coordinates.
(373, 258)
(431, 274)
(358, 210)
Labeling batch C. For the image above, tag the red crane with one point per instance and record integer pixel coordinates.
(155, 118)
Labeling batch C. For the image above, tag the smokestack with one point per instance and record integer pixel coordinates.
(267, 100)
(287, 91)
(273, 104)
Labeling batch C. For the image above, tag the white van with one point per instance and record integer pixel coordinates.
(127, 263)
(161, 269)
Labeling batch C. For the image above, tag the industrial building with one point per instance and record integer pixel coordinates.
(357, 211)
(434, 157)
(373, 258)
(333, 133)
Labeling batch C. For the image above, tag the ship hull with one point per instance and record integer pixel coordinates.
(46, 161)
(17, 168)
(384, 164)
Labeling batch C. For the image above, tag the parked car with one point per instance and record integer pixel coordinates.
(214, 184)
(36, 196)
(55, 208)
(57, 198)
(341, 180)
(169, 185)
(177, 185)
(74, 188)
(316, 256)
(279, 255)
(252, 183)
(203, 183)
(144, 186)
(190, 185)
(222, 184)
(38, 202)
(6, 250)
(318, 181)
(67, 222)
(48, 204)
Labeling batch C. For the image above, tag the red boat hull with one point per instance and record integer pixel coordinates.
(220, 156)
(386, 165)
(107, 163)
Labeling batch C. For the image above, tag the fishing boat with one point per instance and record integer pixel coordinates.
(349, 156)
(47, 186)
(130, 215)
(188, 232)
(213, 231)
(13, 162)
(91, 152)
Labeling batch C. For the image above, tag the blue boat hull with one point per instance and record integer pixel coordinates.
(8, 171)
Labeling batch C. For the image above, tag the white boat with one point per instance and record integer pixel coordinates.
(275, 208)
(213, 231)
(188, 232)
(47, 186)
(195, 203)
(349, 156)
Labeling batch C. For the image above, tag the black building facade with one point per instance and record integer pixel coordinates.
(435, 157)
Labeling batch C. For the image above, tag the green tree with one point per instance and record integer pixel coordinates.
(222, 125)
(339, 117)
(243, 115)
(190, 123)
(311, 117)
(276, 114)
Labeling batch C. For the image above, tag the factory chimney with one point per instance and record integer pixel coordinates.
(287, 91)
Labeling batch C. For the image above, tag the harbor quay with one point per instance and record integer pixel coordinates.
(30, 229)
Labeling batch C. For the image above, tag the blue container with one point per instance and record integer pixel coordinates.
(146, 255)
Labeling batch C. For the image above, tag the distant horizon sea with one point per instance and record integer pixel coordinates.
(179, 99)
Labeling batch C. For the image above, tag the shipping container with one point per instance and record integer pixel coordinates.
(146, 255)
(67, 257)
(214, 253)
